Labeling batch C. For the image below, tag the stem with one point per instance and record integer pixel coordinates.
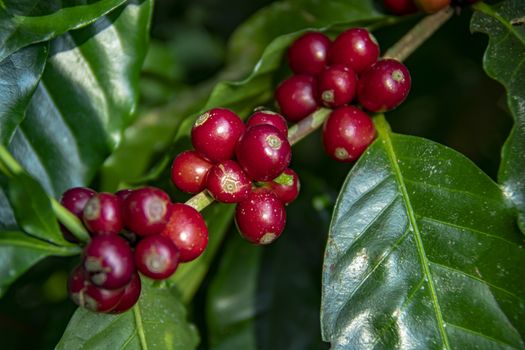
(399, 51)
(308, 125)
(70, 221)
(10, 167)
(418, 35)
(200, 200)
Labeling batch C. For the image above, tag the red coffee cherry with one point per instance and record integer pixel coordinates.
(215, 134)
(108, 260)
(187, 230)
(261, 217)
(356, 48)
(384, 86)
(189, 171)
(297, 97)
(400, 7)
(85, 294)
(146, 211)
(269, 117)
(228, 183)
(156, 257)
(337, 86)
(103, 214)
(263, 152)
(347, 133)
(307, 54)
(288, 188)
(75, 200)
(130, 295)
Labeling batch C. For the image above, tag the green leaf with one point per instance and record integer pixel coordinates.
(504, 62)
(19, 76)
(24, 22)
(18, 252)
(157, 322)
(32, 209)
(423, 252)
(86, 97)
(269, 297)
(189, 276)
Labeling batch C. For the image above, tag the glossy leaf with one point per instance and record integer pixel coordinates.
(24, 22)
(268, 297)
(19, 76)
(32, 209)
(423, 252)
(18, 252)
(86, 97)
(503, 61)
(189, 275)
(158, 321)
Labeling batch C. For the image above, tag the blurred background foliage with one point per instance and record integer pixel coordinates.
(276, 290)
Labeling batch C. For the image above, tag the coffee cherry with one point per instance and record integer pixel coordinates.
(347, 133)
(297, 97)
(189, 171)
(146, 211)
(187, 230)
(103, 214)
(287, 189)
(356, 48)
(85, 294)
(384, 86)
(400, 7)
(307, 55)
(156, 257)
(130, 295)
(123, 194)
(337, 86)
(261, 217)
(108, 260)
(269, 117)
(75, 200)
(228, 183)
(431, 6)
(263, 152)
(215, 134)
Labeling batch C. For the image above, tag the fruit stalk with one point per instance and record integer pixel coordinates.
(418, 35)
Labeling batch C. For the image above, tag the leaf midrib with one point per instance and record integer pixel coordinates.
(384, 134)
(489, 11)
(140, 328)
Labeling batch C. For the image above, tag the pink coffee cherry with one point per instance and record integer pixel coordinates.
(75, 200)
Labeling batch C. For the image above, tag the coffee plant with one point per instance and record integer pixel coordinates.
(291, 174)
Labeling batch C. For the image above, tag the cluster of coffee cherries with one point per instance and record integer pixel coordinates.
(407, 7)
(339, 75)
(131, 231)
(240, 163)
